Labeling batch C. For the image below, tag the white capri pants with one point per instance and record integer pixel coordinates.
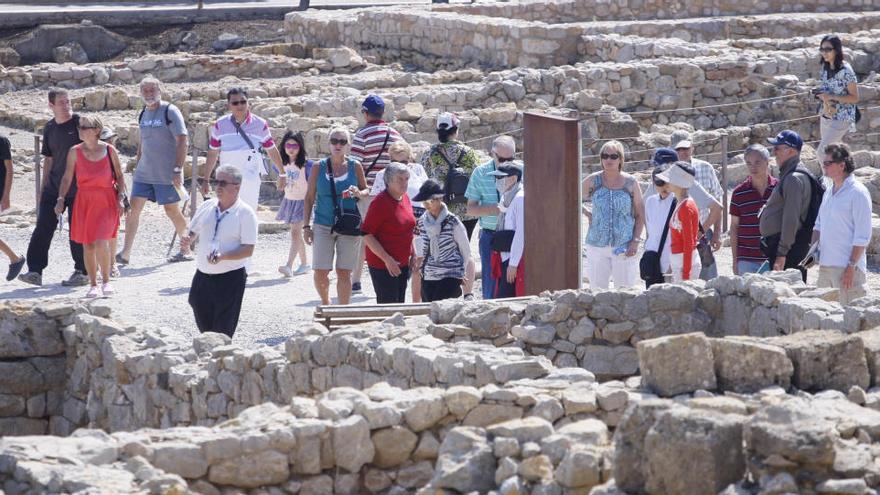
(831, 131)
(603, 266)
(676, 263)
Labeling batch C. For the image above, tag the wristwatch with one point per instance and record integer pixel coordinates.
(852, 264)
(177, 170)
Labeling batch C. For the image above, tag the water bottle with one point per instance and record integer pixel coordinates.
(620, 250)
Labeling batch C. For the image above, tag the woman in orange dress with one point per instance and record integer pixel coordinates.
(98, 204)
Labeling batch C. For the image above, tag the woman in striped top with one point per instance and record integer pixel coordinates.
(442, 249)
(684, 226)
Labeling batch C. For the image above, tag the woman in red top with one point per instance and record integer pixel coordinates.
(388, 234)
(684, 226)
(98, 204)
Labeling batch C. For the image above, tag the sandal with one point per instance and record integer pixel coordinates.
(120, 260)
(179, 257)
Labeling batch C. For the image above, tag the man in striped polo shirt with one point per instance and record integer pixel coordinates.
(747, 200)
(369, 145)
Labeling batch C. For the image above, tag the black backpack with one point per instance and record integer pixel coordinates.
(817, 191)
(167, 118)
(457, 179)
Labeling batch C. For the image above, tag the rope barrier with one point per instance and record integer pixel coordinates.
(704, 107)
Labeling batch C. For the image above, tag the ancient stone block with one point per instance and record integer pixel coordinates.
(826, 360)
(466, 462)
(745, 366)
(677, 364)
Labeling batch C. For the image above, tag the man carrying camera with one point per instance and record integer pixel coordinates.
(226, 229)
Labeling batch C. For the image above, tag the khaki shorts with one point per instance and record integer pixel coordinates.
(829, 276)
(326, 245)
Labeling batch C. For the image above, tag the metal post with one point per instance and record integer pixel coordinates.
(201, 4)
(552, 159)
(38, 178)
(724, 180)
(194, 183)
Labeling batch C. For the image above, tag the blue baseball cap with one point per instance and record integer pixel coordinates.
(663, 156)
(373, 104)
(788, 138)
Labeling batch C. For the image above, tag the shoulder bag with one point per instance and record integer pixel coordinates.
(650, 269)
(345, 222)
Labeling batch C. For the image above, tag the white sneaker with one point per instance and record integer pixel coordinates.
(108, 289)
(303, 269)
(285, 270)
(93, 292)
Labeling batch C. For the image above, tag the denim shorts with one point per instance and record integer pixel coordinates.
(162, 194)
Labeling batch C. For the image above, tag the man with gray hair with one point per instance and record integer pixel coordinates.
(683, 145)
(746, 201)
(483, 201)
(160, 158)
(226, 230)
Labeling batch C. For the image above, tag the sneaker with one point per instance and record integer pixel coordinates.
(180, 257)
(285, 270)
(107, 289)
(14, 269)
(356, 288)
(93, 292)
(468, 297)
(77, 279)
(114, 272)
(32, 278)
(303, 269)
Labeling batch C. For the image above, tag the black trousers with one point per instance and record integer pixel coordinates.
(469, 226)
(436, 290)
(389, 289)
(503, 287)
(216, 300)
(41, 238)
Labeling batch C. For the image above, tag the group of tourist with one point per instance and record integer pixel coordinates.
(370, 200)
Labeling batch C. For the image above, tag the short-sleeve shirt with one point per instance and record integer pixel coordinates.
(225, 231)
(57, 141)
(225, 137)
(836, 85)
(745, 203)
(366, 145)
(481, 189)
(461, 155)
(5, 154)
(159, 144)
(392, 223)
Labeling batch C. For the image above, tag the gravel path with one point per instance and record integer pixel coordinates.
(154, 291)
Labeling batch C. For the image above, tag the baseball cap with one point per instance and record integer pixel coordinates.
(788, 138)
(663, 156)
(429, 189)
(373, 104)
(507, 171)
(106, 133)
(447, 120)
(680, 139)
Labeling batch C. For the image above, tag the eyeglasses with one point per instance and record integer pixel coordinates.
(238, 102)
(291, 144)
(829, 163)
(659, 183)
(609, 156)
(341, 142)
(219, 183)
(826, 49)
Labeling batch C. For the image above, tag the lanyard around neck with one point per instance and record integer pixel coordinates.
(218, 217)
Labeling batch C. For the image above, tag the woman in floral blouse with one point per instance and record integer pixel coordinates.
(448, 153)
(839, 93)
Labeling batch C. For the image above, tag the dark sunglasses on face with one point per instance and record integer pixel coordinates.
(293, 144)
(238, 102)
(609, 156)
(218, 183)
(341, 142)
(826, 49)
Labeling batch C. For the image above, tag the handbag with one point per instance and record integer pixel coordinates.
(345, 222)
(704, 249)
(126, 205)
(502, 240)
(649, 265)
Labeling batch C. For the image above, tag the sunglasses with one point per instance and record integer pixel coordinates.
(238, 102)
(341, 142)
(609, 156)
(291, 144)
(829, 163)
(659, 183)
(826, 49)
(218, 183)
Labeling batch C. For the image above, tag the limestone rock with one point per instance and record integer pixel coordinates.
(826, 360)
(609, 362)
(227, 41)
(530, 429)
(536, 468)
(790, 431)
(580, 468)
(466, 462)
(744, 366)
(393, 446)
(250, 471)
(71, 52)
(486, 321)
(630, 462)
(351, 443)
(677, 364)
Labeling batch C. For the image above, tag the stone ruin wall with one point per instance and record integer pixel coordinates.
(478, 396)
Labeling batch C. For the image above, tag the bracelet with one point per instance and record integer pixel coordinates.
(307, 227)
(60, 198)
(177, 170)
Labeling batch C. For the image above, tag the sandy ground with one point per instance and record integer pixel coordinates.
(154, 291)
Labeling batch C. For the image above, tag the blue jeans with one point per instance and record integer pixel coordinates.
(745, 266)
(486, 263)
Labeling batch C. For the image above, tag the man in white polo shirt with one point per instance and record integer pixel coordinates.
(226, 229)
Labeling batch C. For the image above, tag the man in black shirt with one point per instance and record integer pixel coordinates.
(59, 135)
(5, 173)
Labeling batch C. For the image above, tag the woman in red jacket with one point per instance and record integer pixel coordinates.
(684, 226)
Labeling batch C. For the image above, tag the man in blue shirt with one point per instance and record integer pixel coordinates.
(483, 203)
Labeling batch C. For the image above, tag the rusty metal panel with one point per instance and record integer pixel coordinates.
(552, 165)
